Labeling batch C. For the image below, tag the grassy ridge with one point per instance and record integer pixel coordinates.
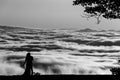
(61, 77)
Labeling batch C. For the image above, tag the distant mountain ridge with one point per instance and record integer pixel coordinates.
(13, 29)
(92, 30)
(87, 30)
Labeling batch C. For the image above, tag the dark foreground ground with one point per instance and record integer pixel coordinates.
(62, 77)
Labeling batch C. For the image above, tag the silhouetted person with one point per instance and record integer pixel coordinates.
(28, 65)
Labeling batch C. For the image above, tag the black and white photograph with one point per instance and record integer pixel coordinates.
(59, 37)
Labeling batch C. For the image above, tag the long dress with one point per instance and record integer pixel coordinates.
(29, 64)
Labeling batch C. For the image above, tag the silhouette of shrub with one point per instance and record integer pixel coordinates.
(115, 70)
(36, 74)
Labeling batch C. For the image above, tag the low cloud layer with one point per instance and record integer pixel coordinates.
(58, 51)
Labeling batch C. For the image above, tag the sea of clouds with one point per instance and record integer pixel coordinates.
(60, 52)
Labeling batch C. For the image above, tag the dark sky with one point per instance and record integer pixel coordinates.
(48, 14)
